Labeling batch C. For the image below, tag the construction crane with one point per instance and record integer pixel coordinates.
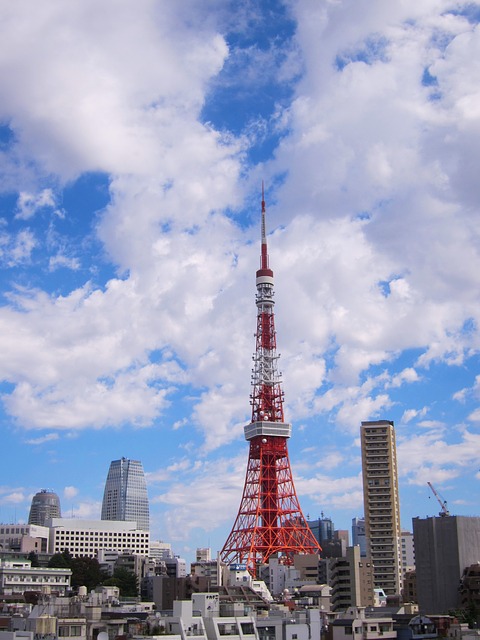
(443, 503)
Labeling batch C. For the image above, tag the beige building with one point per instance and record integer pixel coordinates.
(351, 581)
(382, 504)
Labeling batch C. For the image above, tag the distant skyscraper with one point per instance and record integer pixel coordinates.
(323, 529)
(358, 535)
(382, 504)
(45, 504)
(125, 496)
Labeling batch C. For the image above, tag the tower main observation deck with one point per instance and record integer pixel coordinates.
(270, 521)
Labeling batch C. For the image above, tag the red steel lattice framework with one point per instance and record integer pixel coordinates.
(270, 521)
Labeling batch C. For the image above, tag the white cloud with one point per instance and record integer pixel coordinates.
(59, 261)
(372, 192)
(28, 204)
(48, 437)
(15, 497)
(70, 492)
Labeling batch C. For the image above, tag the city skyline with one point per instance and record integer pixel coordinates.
(133, 146)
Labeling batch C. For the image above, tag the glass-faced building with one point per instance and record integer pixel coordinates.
(125, 496)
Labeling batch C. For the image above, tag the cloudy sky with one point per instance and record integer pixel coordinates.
(134, 138)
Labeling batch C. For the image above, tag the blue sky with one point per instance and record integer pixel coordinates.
(134, 139)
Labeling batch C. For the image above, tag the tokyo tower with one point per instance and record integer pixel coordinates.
(270, 521)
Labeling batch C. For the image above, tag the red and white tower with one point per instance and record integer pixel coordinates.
(270, 521)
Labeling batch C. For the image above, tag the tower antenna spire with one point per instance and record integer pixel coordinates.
(270, 521)
(264, 254)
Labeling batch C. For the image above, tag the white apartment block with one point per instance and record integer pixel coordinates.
(19, 576)
(87, 537)
(408, 552)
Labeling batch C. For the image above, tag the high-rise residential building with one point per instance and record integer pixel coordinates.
(45, 505)
(444, 547)
(125, 496)
(358, 535)
(382, 504)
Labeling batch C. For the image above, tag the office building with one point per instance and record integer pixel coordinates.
(45, 505)
(125, 496)
(87, 537)
(382, 504)
(323, 529)
(358, 535)
(160, 550)
(444, 547)
(24, 538)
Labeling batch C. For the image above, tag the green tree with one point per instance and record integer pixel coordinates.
(125, 580)
(86, 572)
(62, 560)
(33, 557)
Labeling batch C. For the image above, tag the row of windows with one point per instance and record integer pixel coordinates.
(13, 530)
(16, 578)
(70, 631)
(104, 534)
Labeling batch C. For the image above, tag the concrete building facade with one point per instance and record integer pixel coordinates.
(17, 577)
(87, 537)
(351, 581)
(444, 547)
(24, 538)
(382, 503)
(45, 505)
(408, 552)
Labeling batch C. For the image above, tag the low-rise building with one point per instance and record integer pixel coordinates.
(354, 625)
(24, 538)
(17, 577)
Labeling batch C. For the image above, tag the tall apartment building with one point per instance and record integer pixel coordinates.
(125, 496)
(382, 504)
(444, 547)
(45, 505)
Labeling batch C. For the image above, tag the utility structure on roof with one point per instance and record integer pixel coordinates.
(270, 521)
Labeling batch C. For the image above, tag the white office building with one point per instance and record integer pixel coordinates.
(87, 537)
